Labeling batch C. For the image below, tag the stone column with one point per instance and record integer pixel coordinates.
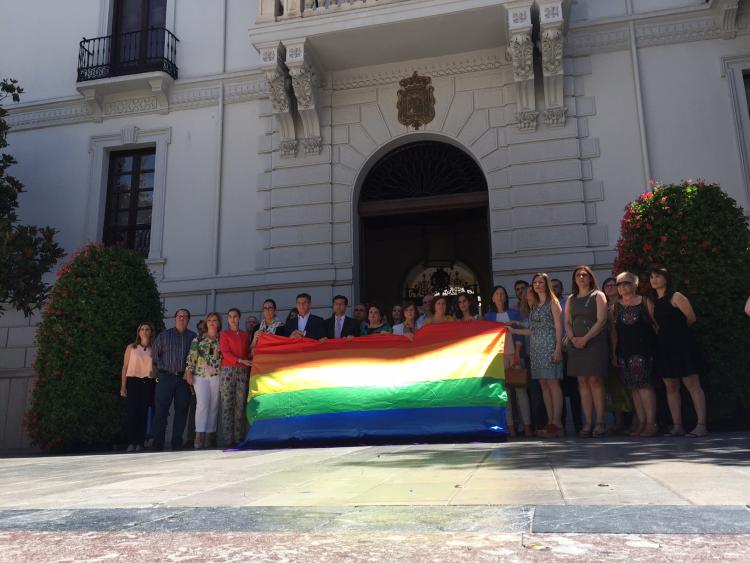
(272, 56)
(551, 47)
(520, 53)
(303, 75)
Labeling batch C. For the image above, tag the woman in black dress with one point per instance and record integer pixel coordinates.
(632, 336)
(677, 357)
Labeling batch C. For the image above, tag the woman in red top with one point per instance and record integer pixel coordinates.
(235, 352)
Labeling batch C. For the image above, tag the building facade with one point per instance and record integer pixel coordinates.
(379, 149)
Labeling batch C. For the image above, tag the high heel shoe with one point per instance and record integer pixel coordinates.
(599, 431)
(585, 432)
(649, 430)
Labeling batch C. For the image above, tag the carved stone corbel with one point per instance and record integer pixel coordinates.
(280, 93)
(93, 99)
(551, 47)
(729, 18)
(160, 88)
(520, 53)
(303, 75)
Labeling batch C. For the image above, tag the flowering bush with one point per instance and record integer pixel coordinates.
(100, 297)
(701, 236)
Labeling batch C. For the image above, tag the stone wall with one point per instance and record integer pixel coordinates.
(17, 355)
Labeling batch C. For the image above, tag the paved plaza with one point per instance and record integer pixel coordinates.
(620, 498)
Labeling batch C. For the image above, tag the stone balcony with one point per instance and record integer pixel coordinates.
(348, 34)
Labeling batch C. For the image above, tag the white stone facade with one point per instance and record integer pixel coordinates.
(264, 140)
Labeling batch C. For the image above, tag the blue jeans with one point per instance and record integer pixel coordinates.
(170, 387)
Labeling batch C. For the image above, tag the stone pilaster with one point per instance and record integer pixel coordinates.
(520, 53)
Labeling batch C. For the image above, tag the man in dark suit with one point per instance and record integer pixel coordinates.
(339, 325)
(306, 324)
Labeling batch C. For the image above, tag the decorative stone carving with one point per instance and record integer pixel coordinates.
(527, 120)
(129, 135)
(552, 50)
(303, 77)
(288, 147)
(521, 55)
(302, 81)
(312, 145)
(131, 105)
(555, 117)
(160, 88)
(278, 88)
(280, 94)
(93, 100)
(729, 18)
(551, 45)
(416, 101)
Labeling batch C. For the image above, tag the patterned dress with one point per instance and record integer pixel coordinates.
(542, 345)
(635, 345)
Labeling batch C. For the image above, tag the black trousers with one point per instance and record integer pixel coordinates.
(140, 392)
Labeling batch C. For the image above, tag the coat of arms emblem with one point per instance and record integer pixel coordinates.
(416, 101)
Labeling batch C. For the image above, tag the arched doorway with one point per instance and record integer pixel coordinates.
(423, 217)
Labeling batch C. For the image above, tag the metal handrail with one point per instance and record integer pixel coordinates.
(133, 52)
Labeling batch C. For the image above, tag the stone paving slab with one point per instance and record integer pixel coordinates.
(710, 471)
(397, 519)
(447, 547)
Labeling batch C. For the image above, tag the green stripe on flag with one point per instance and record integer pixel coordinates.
(473, 392)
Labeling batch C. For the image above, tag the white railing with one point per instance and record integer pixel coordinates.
(273, 10)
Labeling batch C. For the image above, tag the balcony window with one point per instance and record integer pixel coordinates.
(130, 195)
(139, 43)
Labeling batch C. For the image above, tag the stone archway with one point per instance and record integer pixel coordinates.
(423, 203)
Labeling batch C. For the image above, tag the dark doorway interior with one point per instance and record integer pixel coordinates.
(422, 207)
(392, 246)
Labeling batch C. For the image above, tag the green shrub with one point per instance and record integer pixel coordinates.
(100, 297)
(701, 236)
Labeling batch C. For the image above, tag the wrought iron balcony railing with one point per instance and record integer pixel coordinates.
(134, 52)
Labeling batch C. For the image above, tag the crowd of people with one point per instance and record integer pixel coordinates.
(604, 349)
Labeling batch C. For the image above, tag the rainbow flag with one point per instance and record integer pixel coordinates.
(448, 382)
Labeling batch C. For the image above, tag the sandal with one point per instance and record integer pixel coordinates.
(649, 430)
(551, 431)
(585, 432)
(694, 434)
(637, 430)
(675, 431)
(599, 431)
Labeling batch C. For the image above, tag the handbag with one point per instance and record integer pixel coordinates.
(516, 377)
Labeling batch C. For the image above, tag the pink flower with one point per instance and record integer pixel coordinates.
(683, 252)
(664, 238)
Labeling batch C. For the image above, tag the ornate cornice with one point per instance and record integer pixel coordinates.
(347, 80)
(183, 96)
(591, 38)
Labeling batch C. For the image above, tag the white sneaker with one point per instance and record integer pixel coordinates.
(139, 448)
(131, 448)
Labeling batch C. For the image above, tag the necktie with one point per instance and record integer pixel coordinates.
(339, 323)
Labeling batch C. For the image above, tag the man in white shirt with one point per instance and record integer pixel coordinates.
(306, 324)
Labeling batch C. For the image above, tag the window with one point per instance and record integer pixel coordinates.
(138, 31)
(130, 196)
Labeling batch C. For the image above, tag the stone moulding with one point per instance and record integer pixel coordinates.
(730, 20)
(181, 97)
(347, 81)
